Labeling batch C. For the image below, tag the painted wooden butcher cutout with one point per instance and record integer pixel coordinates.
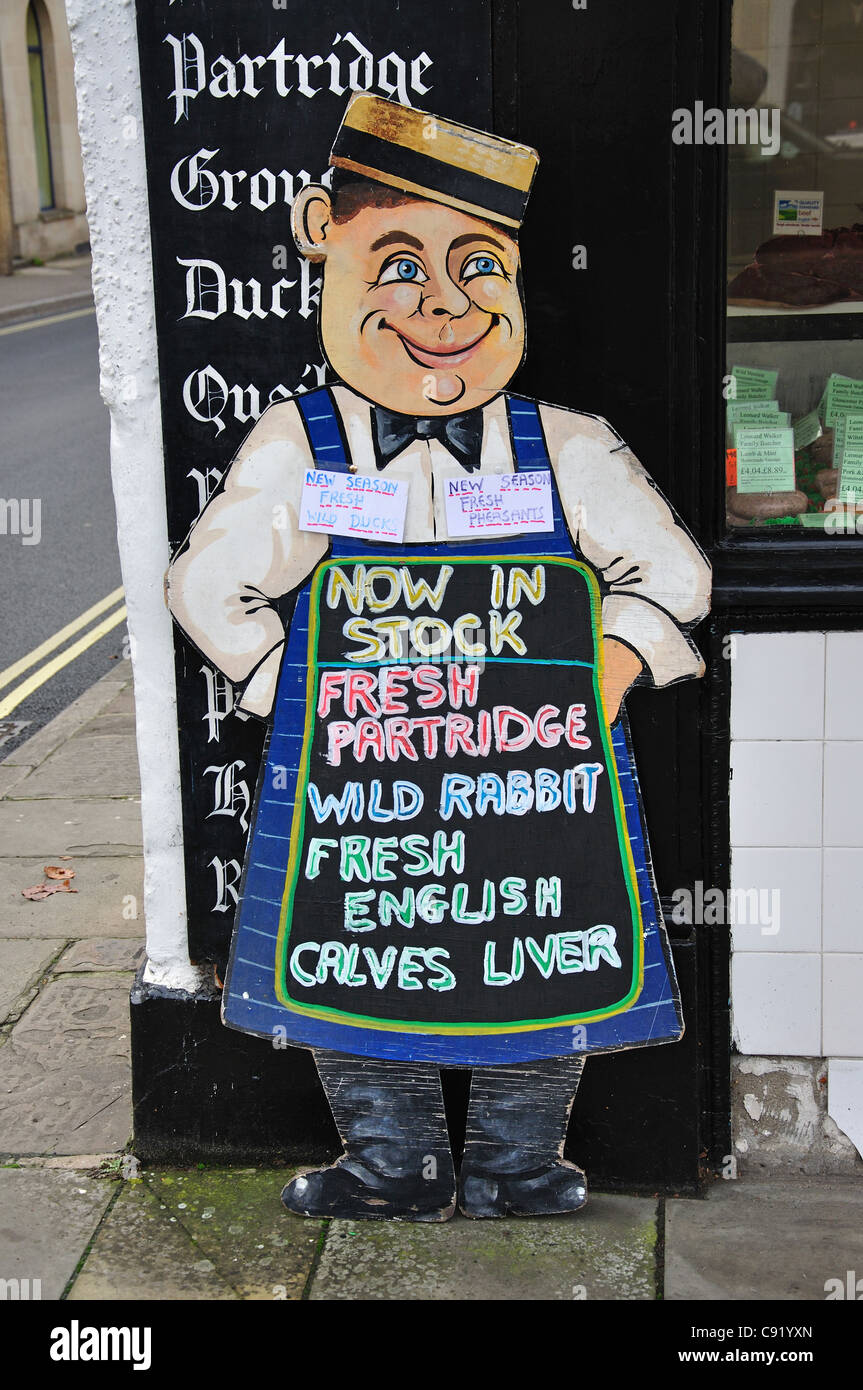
(439, 593)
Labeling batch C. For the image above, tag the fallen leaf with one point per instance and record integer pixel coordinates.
(54, 871)
(45, 890)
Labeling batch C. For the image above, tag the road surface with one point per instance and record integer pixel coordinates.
(59, 566)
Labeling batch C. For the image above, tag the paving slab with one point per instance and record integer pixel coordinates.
(109, 892)
(11, 777)
(782, 1239)
(100, 953)
(143, 1252)
(65, 1077)
(87, 765)
(607, 1251)
(96, 698)
(22, 963)
(46, 1222)
(109, 722)
(124, 701)
(81, 1163)
(238, 1222)
(70, 827)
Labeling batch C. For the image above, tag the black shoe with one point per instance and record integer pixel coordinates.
(352, 1191)
(549, 1191)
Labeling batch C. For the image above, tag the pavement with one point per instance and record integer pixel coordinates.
(80, 1214)
(57, 287)
(82, 1220)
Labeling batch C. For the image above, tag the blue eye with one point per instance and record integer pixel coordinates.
(404, 269)
(481, 265)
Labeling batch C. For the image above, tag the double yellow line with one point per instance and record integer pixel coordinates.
(44, 673)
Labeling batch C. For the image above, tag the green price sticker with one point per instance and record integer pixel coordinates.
(851, 476)
(753, 384)
(764, 421)
(754, 413)
(738, 411)
(843, 395)
(848, 457)
(847, 433)
(765, 460)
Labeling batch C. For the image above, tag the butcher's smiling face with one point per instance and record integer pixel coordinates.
(420, 308)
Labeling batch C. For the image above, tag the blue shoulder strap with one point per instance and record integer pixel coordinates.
(527, 437)
(323, 428)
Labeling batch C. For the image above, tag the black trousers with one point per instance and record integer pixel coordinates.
(391, 1114)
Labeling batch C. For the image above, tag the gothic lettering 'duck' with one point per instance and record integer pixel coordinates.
(447, 862)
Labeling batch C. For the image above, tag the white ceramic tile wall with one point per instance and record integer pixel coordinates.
(778, 686)
(776, 793)
(797, 832)
(844, 684)
(776, 899)
(842, 921)
(843, 793)
(843, 1015)
(776, 1004)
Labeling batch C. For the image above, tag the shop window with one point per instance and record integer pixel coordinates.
(39, 102)
(794, 389)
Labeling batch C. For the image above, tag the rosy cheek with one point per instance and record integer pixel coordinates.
(398, 298)
(490, 293)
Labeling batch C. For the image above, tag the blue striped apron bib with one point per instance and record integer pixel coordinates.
(254, 995)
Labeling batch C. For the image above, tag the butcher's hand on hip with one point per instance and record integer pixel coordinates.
(620, 667)
(260, 692)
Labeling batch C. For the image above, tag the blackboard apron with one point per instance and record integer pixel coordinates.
(541, 934)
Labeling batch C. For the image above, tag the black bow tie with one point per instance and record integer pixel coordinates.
(461, 434)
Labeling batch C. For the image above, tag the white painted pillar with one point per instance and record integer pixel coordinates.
(107, 82)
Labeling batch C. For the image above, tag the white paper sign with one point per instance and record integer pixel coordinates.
(367, 507)
(499, 504)
(797, 213)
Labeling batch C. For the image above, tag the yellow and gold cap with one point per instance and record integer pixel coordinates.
(435, 158)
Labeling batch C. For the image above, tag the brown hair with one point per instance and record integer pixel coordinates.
(350, 194)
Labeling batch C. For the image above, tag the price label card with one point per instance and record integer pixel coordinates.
(499, 504)
(352, 504)
(848, 430)
(765, 460)
(762, 419)
(807, 430)
(851, 474)
(738, 412)
(843, 395)
(847, 456)
(753, 384)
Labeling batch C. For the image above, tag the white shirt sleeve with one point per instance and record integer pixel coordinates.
(657, 580)
(245, 551)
